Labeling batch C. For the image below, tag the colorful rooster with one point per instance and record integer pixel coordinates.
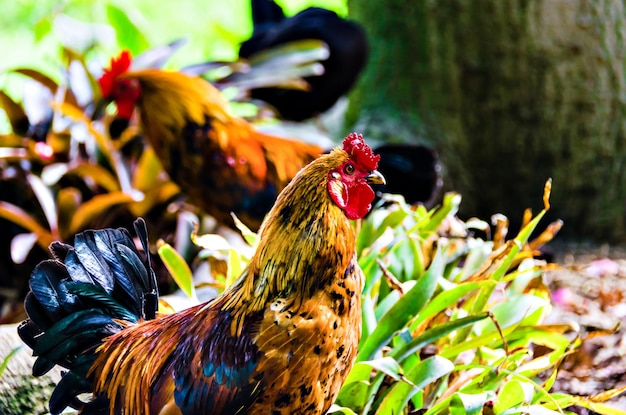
(280, 340)
(221, 163)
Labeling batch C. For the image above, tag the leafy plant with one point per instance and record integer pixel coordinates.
(453, 321)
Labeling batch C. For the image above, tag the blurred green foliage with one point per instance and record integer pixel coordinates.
(34, 31)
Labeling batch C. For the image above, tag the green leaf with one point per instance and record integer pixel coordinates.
(446, 299)
(538, 410)
(336, 409)
(236, 266)
(525, 309)
(512, 394)
(42, 28)
(386, 365)
(355, 390)
(420, 376)
(128, 34)
(469, 404)
(373, 227)
(404, 310)
(435, 333)
(247, 234)
(177, 267)
(372, 271)
(354, 394)
(450, 205)
(5, 362)
(390, 299)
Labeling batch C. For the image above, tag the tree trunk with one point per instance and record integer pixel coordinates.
(510, 92)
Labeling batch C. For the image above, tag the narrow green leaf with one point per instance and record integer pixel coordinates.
(128, 34)
(5, 362)
(511, 394)
(336, 409)
(247, 234)
(446, 299)
(386, 365)
(404, 310)
(235, 267)
(469, 404)
(401, 352)
(518, 310)
(421, 375)
(355, 390)
(542, 410)
(449, 206)
(354, 395)
(177, 267)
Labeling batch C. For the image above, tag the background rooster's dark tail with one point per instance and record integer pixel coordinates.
(347, 47)
(82, 296)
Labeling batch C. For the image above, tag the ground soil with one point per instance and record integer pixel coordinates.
(589, 290)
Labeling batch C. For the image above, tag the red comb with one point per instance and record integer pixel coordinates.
(119, 65)
(354, 145)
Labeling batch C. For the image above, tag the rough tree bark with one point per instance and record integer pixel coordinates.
(510, 92)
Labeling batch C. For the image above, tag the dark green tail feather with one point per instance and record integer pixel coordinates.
(76, 300)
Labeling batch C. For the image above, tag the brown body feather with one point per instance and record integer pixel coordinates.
(220, 161)
(288, 329)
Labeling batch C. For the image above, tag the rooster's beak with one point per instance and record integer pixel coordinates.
(376, 178)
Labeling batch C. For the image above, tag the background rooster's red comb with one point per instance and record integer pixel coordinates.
(354, 145)
(119, 65)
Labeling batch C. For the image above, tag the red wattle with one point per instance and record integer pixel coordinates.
(360, 197)
(125, 108)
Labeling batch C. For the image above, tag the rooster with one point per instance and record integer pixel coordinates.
(221, 162)
(280, 340)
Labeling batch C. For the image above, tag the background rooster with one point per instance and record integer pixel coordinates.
(280, 340)
(220, 161)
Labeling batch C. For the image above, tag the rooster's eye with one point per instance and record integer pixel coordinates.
(349, 168)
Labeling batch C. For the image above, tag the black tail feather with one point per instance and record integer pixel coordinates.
(79, 298)
(265, 14)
